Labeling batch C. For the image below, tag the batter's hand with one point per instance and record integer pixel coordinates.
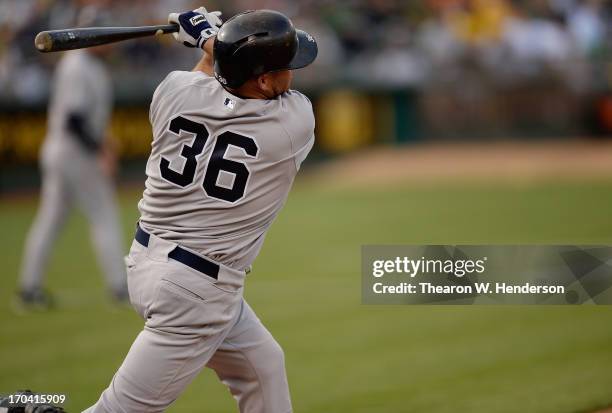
(196, 26)
(107, 158)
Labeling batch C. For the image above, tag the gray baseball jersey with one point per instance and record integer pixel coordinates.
(81, 85)
(220, 166)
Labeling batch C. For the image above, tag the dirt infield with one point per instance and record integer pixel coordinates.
(500, 161)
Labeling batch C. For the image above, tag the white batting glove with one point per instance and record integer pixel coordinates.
(196, 26)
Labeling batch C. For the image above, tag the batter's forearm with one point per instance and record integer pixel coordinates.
(206, 62)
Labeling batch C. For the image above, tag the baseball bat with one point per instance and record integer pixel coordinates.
(78, 38)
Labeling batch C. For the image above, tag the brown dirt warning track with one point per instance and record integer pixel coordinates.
(499, 161)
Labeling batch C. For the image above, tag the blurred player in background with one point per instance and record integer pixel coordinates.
(77, 163)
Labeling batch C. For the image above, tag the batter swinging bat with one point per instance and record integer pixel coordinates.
(68, 39)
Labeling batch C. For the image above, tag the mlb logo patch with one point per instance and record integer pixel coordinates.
(229, 103)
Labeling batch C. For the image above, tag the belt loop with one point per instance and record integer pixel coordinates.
(159, 249)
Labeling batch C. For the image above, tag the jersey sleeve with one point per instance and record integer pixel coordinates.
(301, 126)
(160, 92)
(173, 84)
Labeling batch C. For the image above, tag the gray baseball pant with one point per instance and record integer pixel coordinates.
(67, 183)
(193, 321)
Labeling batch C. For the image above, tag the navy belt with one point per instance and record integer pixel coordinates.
(183, 256)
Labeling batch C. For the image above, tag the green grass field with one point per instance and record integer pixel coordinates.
(343, 356)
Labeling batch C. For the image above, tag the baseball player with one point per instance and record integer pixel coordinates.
(77, 163)
(228, 140)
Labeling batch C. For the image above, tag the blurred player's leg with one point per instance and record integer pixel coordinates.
(95, 195)
(252, 365)
(54, 207)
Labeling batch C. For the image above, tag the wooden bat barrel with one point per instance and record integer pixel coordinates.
(78, 38)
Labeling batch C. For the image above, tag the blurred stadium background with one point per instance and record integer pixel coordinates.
(438, 121)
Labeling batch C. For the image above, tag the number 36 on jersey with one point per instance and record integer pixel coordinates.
(216, 163)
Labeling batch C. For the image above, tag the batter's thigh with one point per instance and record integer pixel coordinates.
(187, 318)
(252, 365)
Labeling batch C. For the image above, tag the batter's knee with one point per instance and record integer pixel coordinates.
(271, 395)
(274, 365)
(127, 396)
(255, 375)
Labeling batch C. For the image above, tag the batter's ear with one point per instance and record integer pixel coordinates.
(265, 83)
